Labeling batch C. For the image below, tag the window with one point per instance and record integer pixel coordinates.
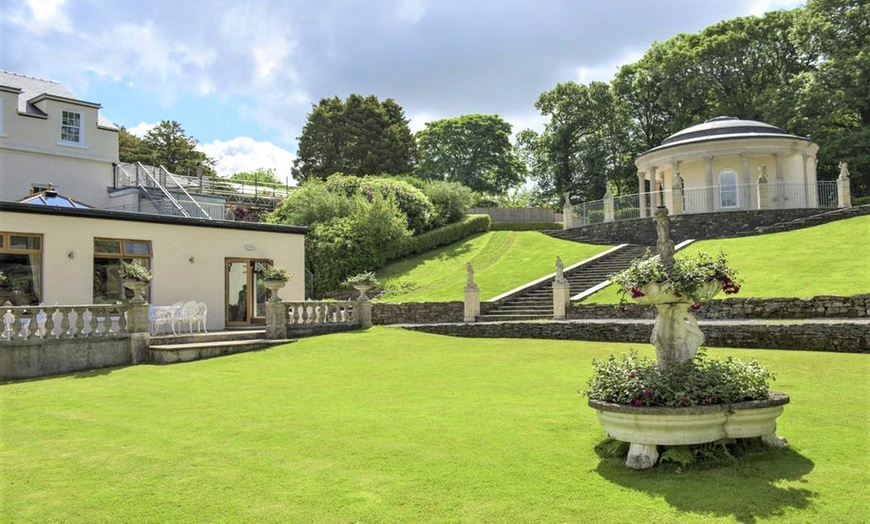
(21, 267)
(71, 128)
(108, 255)
(728, 189)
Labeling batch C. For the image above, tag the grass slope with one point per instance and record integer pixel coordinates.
(830, 259)
(502, 261)
(393, 426)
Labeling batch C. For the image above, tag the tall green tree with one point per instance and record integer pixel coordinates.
(583, 147)
(133, 149)
(176, 151)
(359, 136)
(474, 150)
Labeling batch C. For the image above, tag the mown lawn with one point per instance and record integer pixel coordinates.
(502, 260)
(830, 259)
(393, 426)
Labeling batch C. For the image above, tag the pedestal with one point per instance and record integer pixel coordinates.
(561, 297)
(472, 303)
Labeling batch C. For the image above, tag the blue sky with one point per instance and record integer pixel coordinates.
(241, 77)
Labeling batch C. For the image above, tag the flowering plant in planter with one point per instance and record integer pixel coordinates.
(637, 381)
(275, 274)
(689, 277)
(366, 279)
(135, 271)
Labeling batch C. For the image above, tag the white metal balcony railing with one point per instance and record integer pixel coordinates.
(132, 175)
(743, 197)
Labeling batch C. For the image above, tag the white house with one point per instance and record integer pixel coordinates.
(62, 242)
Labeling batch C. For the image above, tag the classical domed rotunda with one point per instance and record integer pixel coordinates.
(728, 164)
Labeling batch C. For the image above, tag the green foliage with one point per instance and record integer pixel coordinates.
(452, 201)
(367, 277)
(176, 151)
(262, 177)
(312, 202)
(132, 149)
(410, 201)
(279, 274)
(524, 226)
(346, 246)
(474, 150)
(359, 136)
(135, 271)
(686, 278)
(638, 381)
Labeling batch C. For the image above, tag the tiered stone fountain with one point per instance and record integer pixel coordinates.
(677, 337)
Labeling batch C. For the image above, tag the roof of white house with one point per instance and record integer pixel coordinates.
(725, 128)
(34, 88)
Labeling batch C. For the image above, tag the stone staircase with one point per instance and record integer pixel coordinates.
(812, 220)
(169, 349)
(536, 300)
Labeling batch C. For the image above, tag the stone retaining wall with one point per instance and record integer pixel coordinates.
(823, 306)
(698, 226)
(847, 337)
(421, 312)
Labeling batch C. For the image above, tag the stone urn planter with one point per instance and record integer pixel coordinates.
(138, 287)
(646, 427)
(274, 286)
(362, 287)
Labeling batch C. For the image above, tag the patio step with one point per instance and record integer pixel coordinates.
(170, 349)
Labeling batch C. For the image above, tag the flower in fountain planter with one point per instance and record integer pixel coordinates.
(688, 279)
(633, 380)
(135, 271)
(278, 274)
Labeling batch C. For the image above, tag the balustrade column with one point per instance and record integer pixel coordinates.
(276, 320)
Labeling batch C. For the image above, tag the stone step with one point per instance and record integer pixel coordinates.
(214, 336)
(187, 352)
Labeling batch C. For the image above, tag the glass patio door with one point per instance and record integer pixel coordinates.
(245, 292)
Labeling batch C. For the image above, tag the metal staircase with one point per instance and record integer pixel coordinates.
(535, 301)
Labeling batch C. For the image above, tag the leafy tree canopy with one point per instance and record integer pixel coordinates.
(474, 150)
(359, 136)
(176, 151)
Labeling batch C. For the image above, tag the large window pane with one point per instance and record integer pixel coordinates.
(22, 286)
(24, 242)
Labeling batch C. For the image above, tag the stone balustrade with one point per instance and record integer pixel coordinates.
(312, 317)
(67, 321)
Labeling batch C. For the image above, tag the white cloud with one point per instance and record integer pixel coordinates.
(141, 129)
(246, 154)
(48, 15)
(605, 71)
(759, 7)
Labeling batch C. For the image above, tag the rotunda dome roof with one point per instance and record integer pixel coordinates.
(724, 127)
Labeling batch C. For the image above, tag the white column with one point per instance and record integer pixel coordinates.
(710, 199)
(747, 189)
(779, 190)
(654, 189)
(641, 200)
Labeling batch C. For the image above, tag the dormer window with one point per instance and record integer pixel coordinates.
(71, 128)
